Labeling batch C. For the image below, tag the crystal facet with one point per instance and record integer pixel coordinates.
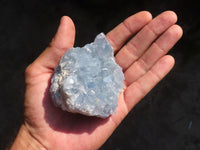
(87, 80)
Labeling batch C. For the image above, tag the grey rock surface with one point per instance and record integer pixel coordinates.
(87, 80)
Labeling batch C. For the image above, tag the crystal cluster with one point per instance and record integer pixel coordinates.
(87, 80)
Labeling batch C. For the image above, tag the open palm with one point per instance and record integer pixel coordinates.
(144, 62)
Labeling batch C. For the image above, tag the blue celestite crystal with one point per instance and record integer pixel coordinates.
(87, 80)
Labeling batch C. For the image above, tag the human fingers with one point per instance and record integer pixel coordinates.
(138, 89)
(159, 48)
(65, 36)
(121, 33)
(135, 48)
(63, 40)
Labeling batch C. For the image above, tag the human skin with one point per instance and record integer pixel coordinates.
(144, 63)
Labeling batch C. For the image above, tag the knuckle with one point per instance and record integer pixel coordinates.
(29, 70)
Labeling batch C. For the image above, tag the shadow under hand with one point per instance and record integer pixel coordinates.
(67, 122)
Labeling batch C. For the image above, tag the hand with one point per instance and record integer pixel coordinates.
(144, 62)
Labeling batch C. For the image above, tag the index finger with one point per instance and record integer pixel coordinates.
(121, 33)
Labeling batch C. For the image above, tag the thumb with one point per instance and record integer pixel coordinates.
(64, 38)
(62, 41)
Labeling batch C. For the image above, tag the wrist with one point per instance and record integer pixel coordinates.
(25, 140)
